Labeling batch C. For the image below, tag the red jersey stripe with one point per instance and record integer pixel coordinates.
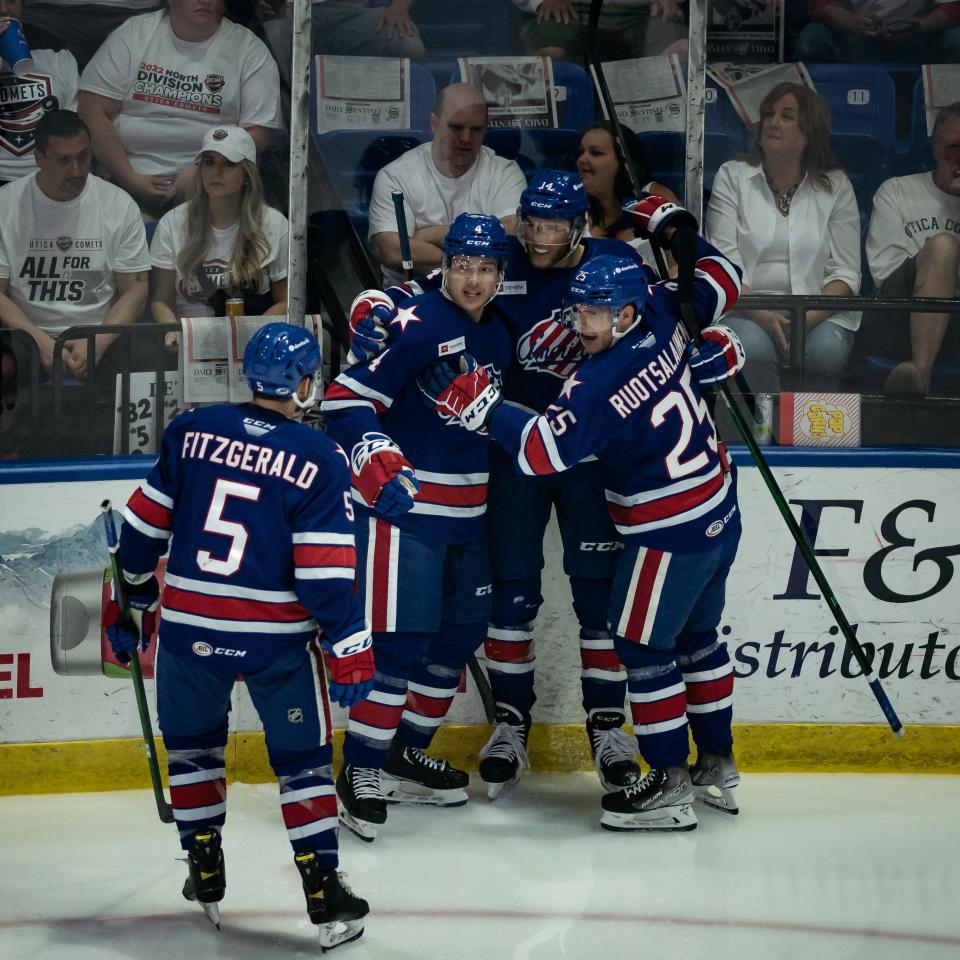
(666, 506)
(709, 691)
(229, 608)
(314, 555)
(659, 710)
(301, 812)
(536, 453)
(452, 495)
(149, 510)
(640, 604)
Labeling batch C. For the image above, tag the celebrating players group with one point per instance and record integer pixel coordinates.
(544, 372)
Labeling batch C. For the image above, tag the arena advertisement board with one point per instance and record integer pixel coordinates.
(886, 537)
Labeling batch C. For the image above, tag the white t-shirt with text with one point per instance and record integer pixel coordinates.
(60, 257)
(173, 91)
(192, 293)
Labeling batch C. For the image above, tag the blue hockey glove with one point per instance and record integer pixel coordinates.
(369, 314)
(382, 475)
(350, 675)
(718, 358)
(127, 632)
(463, 391)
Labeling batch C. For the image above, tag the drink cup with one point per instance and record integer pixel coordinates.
(14, 50)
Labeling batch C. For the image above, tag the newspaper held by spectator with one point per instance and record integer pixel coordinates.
(648, 93)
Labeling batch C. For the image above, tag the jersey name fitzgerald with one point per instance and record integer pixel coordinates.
(248, 457)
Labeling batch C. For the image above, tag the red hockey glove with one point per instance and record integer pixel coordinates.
(718, 358)
(651, 215)
(382, 475)
(349, 675)
(463, 391)
(369, 314)
(126, 633)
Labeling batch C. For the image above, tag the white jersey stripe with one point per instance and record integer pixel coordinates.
(323, 573)
(453, 479)
(654, 696)
(309, 829)
(692, 514)
(237, 626)
(647, 496)
(332, 539)
(662, 727)
(362, 389)
(145, 528)
(710, 707)
(442, 510)
(229, 590)
(157, 496)
(702, 676)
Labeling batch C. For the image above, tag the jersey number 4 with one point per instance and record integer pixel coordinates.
(691, 409)
(236, 532)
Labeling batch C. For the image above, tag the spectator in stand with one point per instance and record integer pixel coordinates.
(79, 25)
(787, 214)
(52, 86)
(855, 31)
(72, 248)
(627, 29)
(452, 174)
(347, 27)
(607, 181)
(160, 81)
(223, 242)
(913, 248)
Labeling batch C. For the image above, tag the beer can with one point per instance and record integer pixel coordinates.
(235, 307)
(763, 419)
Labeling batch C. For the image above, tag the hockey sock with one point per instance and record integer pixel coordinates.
(602, 678)
(434, 681)
(508, 646)
(309, 806)
(372, 723)
(708, 676)
(658, 707)
(198, 789)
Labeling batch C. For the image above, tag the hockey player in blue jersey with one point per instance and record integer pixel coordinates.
(671, 491)
(262, 554)
(420, 490)
(550, 247)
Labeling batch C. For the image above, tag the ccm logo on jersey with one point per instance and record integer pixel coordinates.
(202, 649)
(718, 525)
(588, 546)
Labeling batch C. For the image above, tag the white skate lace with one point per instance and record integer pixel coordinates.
(506, 743)
(415, 755)
(366, 783)
(652, 779)
(613, 746)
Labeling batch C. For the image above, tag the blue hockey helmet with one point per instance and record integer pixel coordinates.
(277, 358)
(553, 195)
(476, 235)
(608, 281)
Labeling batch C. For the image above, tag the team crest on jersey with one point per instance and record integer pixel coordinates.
(550, 347)
(214, 82)
(23, 102)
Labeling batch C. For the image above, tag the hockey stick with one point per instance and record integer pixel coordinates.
(406, 257)
(684, 247)
(163, 808)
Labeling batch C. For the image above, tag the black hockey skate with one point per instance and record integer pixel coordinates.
(207, 879)
(714, 777)
(362, 808)
(410, 776)
(614, 751)
(331, 904)
(660, 801)
(504, 757)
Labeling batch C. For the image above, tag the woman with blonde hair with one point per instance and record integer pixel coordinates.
(224, 242)
(787, 214)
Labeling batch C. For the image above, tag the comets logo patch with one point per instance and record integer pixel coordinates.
(64, 243)
(550, 347)
(214, 82)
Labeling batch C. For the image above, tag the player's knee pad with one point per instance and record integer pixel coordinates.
(638, 657)
(396, 655)
(591, 598)
(515, 601)
(453, 645)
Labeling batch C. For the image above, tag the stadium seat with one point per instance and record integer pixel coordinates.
(861, 99)
(867, 163)
(423, 94)
(575, 104)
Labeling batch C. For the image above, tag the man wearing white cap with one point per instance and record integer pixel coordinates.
(224, 241)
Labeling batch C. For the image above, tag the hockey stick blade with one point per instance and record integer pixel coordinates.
(164, 810)
(482, 684)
